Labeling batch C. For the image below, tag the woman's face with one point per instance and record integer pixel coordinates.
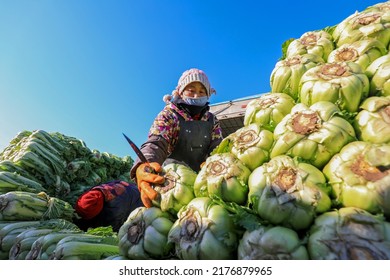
(194, 90)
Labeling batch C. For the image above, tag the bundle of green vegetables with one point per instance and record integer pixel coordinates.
(271, 243)
(307, 177)
(204, 230)
(144, 235)
(85, 247)
(25, 206)
(178, 188)
(43, 247)
(349, 233)
(13, 235)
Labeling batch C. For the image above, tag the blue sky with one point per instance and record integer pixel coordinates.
(93, 69)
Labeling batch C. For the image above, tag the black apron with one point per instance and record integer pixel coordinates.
(193, 143)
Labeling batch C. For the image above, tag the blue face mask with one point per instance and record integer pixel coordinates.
(200, 101)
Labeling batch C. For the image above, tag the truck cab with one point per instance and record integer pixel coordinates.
(231, 113)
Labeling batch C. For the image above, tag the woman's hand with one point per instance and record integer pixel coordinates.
(147, 176)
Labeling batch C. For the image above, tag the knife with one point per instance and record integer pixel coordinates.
(136, 149)
(140, 154)
(143, 160)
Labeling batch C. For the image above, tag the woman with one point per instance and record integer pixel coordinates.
(184, 131)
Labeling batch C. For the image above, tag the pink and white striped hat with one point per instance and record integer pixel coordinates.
(190, 76)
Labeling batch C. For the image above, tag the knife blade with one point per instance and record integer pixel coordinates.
(141, 155)
(136, 149)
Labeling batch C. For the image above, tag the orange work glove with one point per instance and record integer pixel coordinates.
(147, 176)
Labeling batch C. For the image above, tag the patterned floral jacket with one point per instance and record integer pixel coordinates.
(164, 132)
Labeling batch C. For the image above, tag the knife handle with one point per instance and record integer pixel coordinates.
(150, 169)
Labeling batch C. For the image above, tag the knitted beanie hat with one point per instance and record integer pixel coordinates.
(188, 77)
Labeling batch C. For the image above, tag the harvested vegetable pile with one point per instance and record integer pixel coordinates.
(60, 165)
(41, 176)
(307, 177)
